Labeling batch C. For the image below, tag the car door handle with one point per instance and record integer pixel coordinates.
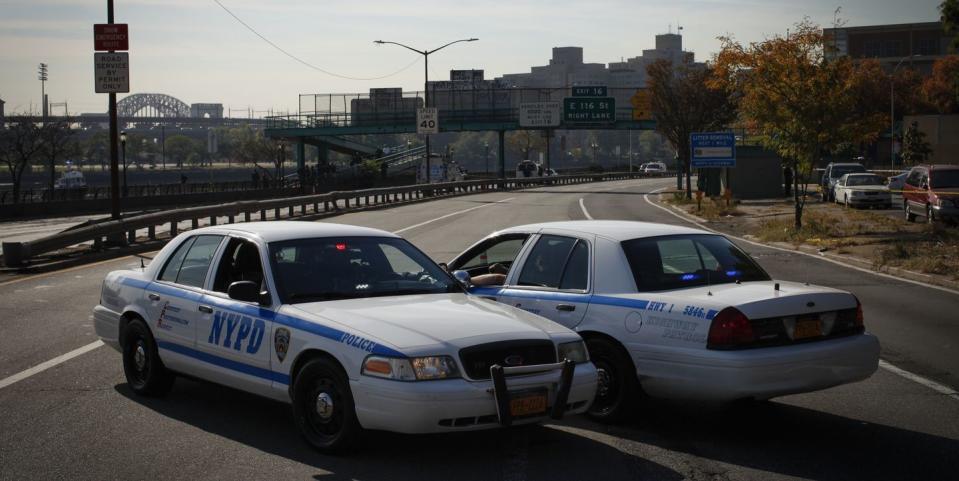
(206, 309)
(153, 297)
(565, 307)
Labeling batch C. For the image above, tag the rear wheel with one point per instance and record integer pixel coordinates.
(618, 388)
(323, 406)
(142, 366)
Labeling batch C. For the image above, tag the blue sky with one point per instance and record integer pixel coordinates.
(195, 51)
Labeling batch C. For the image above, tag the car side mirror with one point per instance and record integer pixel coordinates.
(248, 291)
(463, 278)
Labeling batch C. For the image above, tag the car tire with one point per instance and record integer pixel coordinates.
(323, 407)
(145, 373)
(910, 217)
(618, 390)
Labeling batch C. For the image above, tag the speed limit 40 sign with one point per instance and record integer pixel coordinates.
(427, 121)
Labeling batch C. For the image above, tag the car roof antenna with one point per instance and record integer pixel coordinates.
(142, 265)
(709, 287)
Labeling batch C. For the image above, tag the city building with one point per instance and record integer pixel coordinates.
(917, 45)
(208, 111)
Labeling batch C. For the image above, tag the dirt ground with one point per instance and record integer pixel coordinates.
(880, 238)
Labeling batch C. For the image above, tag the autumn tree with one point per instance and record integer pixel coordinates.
(687, 99)
(525, 141)
(949, 10)
(802, 104)
(941, 89)
(915, 148)
(21, 144)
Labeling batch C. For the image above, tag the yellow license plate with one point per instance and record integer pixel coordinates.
(806, 328)
(527, 404)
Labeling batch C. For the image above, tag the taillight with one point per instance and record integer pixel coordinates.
(730, 328)
(859, 317)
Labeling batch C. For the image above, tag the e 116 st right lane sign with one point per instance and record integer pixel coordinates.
(712, 149)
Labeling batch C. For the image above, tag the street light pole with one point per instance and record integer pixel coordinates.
(486, 146)
(426, 83)
(892, 112)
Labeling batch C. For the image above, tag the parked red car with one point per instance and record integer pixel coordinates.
(931, 191)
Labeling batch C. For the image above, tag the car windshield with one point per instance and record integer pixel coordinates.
(944, 179)
(323, 269)
(688, 260)
(841, 170)
(864, 180)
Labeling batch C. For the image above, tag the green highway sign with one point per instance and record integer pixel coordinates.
(589, 109)
(595, 91)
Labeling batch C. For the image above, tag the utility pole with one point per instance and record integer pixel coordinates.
(42, 77)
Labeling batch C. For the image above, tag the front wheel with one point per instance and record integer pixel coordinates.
(930, 215)
(323, 406)
(145, 372)
(618, 387)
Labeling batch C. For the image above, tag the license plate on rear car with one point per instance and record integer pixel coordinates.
(527, 403)
(806, 328)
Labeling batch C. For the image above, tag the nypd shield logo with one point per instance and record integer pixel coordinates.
(281, 342)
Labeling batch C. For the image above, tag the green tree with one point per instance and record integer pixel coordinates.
(685, 100)
(180, 147)
(57, 145)
(21, 144)
(524, 142)
(915, 148)
(800, 103)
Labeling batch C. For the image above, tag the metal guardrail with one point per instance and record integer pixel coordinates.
(17, 254)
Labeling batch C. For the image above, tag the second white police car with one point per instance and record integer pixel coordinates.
(354, 326)
(674, 312)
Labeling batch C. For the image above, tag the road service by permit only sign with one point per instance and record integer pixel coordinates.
(712, 149)
(112, 72)
(427, 121)
(540, 114)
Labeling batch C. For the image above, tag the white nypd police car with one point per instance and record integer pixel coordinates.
(354, 326)
(674, 312)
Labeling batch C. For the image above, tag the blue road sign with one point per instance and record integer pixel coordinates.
(712, 149)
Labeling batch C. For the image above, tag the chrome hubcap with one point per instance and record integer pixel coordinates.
(324, 406)
(602, 388)
(140, 356)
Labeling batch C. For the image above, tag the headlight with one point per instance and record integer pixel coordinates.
(412, 369)
(574, 351)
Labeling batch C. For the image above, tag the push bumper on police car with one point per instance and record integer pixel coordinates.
(512, 395)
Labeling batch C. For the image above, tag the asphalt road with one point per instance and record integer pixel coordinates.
(79, 420)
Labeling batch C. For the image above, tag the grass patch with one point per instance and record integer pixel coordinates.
(935, 250)
(708, 208)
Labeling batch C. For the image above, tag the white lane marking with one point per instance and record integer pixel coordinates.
(451, 214)
(883, 364)
(820, 257)
(585, 212)
(48, 364)
(929, 383)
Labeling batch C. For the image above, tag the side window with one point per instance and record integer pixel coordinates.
(172, 267)
(499, 252)
(197, 261)
(576, 275)
(240, 262)
(548, 262)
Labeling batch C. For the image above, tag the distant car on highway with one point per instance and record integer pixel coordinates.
(654, 168)
(355, 327)
(862, 190)
(833, 172)
(932, 191)
(674, 312)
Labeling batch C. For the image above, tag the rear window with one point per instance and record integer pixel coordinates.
(944, 179)
(688, 260)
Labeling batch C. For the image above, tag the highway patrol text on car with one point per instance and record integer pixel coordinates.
(354, 326)
(674, 312)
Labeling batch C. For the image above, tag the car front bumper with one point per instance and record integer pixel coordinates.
(861, 200)
(460, 404)
(762, 373)
(106, 323)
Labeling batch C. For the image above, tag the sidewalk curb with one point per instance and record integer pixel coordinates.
(849, 261)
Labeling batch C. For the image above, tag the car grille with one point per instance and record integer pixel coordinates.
(478, 359)
(771, 331)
